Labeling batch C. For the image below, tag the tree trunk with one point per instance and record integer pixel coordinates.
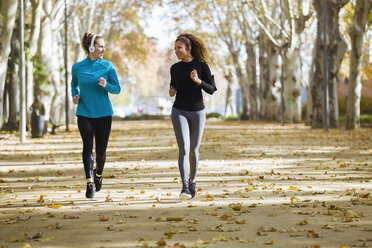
(356, 32)
(50, 52)
(269, 85)
(292, 65)
(309, 105)
(251, 74)
(8, 11)
(229, 107)
(336, 48)
(34, 36)
(243, 84)
(292, 83)
(13, 80)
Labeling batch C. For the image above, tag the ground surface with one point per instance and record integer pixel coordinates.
(259, 185)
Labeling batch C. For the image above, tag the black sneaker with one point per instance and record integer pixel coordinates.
(90, 190)
(192, 189)
(97, 180)
(185, 192)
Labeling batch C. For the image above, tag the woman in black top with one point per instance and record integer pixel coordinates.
(188, 77)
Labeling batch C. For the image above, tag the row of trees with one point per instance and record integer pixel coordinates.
(245, 37)
(239, 27)
(118, 21)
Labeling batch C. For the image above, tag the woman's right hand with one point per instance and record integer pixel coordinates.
(172, 91)
(75, 99)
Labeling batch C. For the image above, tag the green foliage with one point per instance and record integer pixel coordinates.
(364, 119)
(347, 17)
(342, 105)
(365, 105)
(303, 111)
(231, 118)
(213, 115)
(40, 76)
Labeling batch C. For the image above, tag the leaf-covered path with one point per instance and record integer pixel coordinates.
(259, 185)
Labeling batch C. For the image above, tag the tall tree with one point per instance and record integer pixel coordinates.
(8, 11)
(336, 48)
(36, 8)
(269, 79)
(356, 32)
(250, 39)
(219, 20)
(12, 81)
(50, 54)
(266, 14)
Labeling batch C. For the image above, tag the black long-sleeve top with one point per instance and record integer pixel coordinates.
(189, 96)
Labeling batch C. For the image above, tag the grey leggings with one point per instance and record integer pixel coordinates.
(188, 127)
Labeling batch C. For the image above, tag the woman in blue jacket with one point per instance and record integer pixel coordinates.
(189, 77)
(92, 79)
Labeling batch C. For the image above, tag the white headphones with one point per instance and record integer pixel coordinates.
(91, 47)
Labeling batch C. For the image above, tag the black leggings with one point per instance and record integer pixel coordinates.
(100, 128)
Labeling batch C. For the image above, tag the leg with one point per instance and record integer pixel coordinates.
(87, 132)
(103, 129)
(181, 130)
(197, 123)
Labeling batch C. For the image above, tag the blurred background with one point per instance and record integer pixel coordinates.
(268, 57)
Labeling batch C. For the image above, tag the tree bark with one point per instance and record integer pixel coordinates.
(242, 82)
(356, 32)
(336, 48)
(309, 105)
(50, 53)
(229, 105)
(13, 80)
(252, 84)
(8, 11)
(292, 83)
(34, 36)
(269, 85)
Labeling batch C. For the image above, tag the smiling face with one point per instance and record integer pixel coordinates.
(100, 49)
(181, 51)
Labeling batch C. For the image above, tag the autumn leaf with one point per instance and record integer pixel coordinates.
(236, 206)
(202, 242)
(174, 218)
(108, 199)
(267, 229)
(161, 242)
(220, 238)
(270, 242)
(41, 198)
(53, 205)
(102, 218)
(55, 226)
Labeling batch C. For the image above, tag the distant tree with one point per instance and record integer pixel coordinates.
(8, 11)
(336, 48)
(362, 18)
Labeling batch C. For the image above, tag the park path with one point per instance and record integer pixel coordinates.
(259, 185)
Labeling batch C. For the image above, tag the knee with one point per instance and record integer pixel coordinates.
(194, 149)
(184, 151)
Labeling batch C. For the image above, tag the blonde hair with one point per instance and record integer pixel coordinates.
(198, 48)
(87, 39)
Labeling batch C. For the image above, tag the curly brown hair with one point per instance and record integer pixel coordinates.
(198, 48)
(87, 39)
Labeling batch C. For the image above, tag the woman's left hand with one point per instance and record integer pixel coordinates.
(194, 77)
(102, 82)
